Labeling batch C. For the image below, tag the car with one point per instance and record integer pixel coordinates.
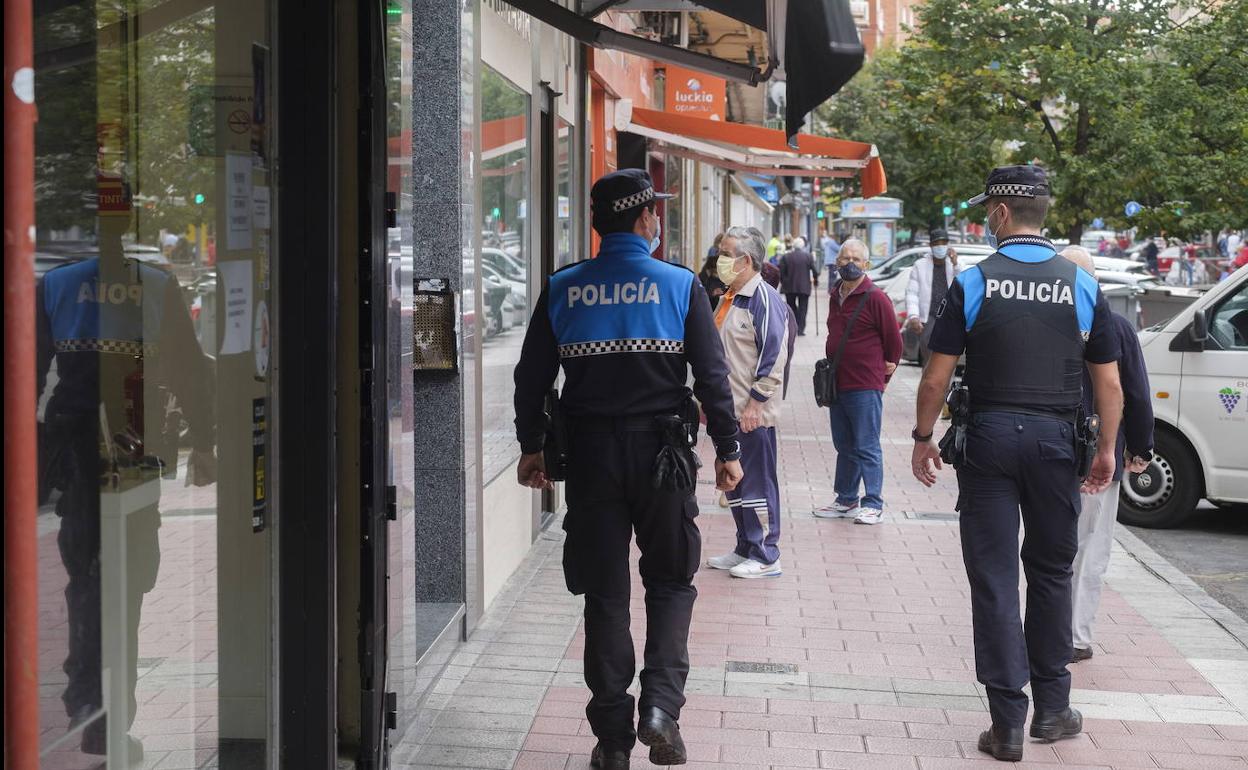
(907, 257)
(1198, 377)
(510, 267)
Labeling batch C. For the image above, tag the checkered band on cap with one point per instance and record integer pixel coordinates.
(636, 199)
(604, 347)
(1016, 190)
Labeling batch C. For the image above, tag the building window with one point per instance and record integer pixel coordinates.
(505, 262)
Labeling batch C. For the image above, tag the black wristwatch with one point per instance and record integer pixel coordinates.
(918, 437)
(727, 457)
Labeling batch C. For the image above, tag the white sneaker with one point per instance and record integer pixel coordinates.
(727, 561)
(836, 511)
(869, 516)
(753, 569)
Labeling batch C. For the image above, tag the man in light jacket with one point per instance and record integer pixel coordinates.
(754, 326)
(930, 279)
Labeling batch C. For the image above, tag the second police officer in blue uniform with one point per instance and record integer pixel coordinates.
(626, 328)
(1028, 321)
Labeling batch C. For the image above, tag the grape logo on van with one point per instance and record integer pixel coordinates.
(1230, 398)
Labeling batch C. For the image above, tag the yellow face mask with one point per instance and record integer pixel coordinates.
(724, 269)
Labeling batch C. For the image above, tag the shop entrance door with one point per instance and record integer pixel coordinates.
(376, 492)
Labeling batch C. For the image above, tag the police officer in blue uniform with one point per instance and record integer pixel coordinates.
(122, 341)
(626, 328)
(1029, 322)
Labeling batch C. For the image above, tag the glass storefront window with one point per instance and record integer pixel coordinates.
(155, 211)
(505, 262)
(563, 183)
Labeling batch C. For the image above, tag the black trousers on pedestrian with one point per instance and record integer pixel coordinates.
(611, 495)
(799, 303)
(1018, 462)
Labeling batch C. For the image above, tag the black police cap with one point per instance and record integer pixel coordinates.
(622, 190)
(1013, 182)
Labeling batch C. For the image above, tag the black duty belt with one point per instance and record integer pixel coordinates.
(1063, 416)
(647, 424)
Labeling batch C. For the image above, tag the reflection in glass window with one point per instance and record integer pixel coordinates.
(504, 261)
(154, 201)
(563, 210)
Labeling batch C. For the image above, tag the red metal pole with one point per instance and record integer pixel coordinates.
(21, 599)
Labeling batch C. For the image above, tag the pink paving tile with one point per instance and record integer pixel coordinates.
(1171, 729)
(821, 741)
(762, 757)
(1088, 755)
(556, 725)
(724, 737)
(1220, 747)
(770, 722)
(903, 714)
(915, 747)
(555, 744)
(540, 760)
(726, 704)
(812, 708)
(840, 760)
(1198, 761)
(862, 727)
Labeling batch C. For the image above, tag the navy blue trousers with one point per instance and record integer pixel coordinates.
(1020, 463)
(756, 500)
(611, 496)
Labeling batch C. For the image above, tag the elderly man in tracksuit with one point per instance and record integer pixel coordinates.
(757, 331)
(1134, 452)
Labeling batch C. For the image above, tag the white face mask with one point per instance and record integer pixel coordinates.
(939, 252)
(658, 231)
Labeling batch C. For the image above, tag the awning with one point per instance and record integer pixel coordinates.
(826, 49)
(755, 149)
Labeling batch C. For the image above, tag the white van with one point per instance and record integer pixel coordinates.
(1198, 372)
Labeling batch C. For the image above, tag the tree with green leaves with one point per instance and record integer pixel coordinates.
(1118, 101)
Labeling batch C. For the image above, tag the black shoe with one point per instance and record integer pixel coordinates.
(1078, 653)
(608, 759)
(659, 731)
(1056, 725)
(1003, 743)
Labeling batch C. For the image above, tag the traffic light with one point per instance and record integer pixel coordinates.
(819, 211)
(963, 205)
(199, 199)
(947, 211)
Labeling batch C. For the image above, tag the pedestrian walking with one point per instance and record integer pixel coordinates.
(1028, 322)
(708, 275)
(774, 246)
(864, 339)
(754, 327)
(1150, 254)
(830, 246)
(798, 271)
(626, 329)
(930, 279)
(1133, 451)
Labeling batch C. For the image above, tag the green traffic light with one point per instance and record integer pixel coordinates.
(199, 199)
(495, 212)
(947, 210)
(819, 214)
(962, 205)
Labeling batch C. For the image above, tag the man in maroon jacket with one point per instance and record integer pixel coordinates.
(869, 359)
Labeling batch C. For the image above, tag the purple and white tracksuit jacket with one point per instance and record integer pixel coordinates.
(758, 333)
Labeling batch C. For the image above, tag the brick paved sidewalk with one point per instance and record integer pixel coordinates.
(872, 626)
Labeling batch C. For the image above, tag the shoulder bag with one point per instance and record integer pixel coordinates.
(825, 369)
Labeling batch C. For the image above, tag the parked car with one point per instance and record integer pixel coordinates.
(1198, 375)
(907, 257)
(510, 267)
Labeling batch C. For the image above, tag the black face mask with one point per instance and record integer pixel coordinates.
(850, 271)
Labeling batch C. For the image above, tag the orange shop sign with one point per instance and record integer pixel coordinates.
(694, 93)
